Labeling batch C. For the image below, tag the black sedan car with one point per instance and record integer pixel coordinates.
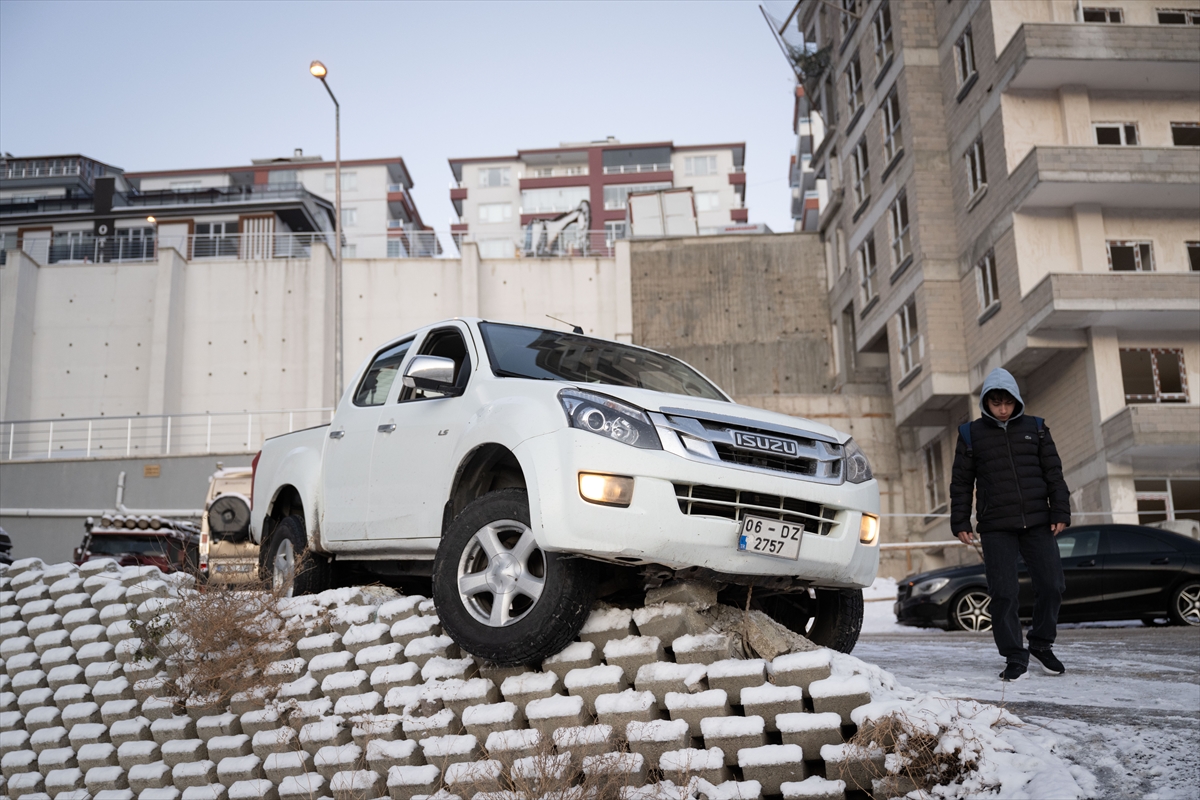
(1113, 572)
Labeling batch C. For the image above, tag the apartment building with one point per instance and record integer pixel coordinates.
(496, 197)
(379, 215)
(1017, 185)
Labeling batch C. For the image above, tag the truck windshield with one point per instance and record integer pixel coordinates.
(519, 352)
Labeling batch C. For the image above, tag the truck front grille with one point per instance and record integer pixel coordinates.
(792, 466)
(717, 501)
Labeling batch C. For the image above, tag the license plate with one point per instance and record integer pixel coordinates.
(770, 537)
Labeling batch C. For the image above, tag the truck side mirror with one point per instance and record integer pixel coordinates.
(432, 374)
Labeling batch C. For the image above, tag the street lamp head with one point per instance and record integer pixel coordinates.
(318, 70)
(151, 220)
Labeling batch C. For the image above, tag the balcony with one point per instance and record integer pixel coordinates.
(1113, 177)
(1160, 437)
(737, 176)
(636, 169)
(1159, 58)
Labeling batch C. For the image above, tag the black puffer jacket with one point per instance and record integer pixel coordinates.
(1016, 474)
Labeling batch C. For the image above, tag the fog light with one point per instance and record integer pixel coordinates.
(609, 490)
(868, 529)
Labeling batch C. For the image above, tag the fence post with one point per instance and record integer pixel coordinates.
(129, 436)
(168, 436)
(50, 441)
(249, 418)
(12, 433)
(291, 419)
(89, 445)
(208, 436)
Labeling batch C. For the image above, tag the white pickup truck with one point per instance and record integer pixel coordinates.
(527, 471)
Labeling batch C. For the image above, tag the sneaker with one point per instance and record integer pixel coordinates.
(1014, 672)
(1050, 664)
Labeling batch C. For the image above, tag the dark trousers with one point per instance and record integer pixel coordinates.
(1038, 547)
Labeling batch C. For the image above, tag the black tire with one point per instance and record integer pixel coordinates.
(970, 611)
(521, 628)
(829, 617)
(1185, 604)
(287, 563)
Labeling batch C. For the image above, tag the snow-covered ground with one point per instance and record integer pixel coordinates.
(1128, 708)
(1025, 740)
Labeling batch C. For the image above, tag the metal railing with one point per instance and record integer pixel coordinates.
(209, 195)
(89, 249)
(155, 435)
(633, 169)
(41, 172)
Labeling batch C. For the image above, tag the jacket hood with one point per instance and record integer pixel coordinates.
(1001, 379)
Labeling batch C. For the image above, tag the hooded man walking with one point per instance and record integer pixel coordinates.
(1010, 462)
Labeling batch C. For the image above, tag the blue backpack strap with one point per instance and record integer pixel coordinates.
(964, 431)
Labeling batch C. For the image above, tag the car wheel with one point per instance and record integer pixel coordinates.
(1185, 604)
(829, 617)
(498, 594)
(287, 563)
(969, 611)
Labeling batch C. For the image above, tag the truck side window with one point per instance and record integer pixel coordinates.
(376, 384)
(447, 343)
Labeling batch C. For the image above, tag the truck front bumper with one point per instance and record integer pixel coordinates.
(655, 529)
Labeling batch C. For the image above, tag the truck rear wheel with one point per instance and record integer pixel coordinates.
(289, 565)
(829, 617)
(498, 594)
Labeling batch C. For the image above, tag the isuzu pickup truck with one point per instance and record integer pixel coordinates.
(528, 471)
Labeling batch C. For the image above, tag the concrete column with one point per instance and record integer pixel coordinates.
(469, 280)
(1104, 376)
(1076, 112)
(624, 328)
(1090, 238)
(165, 388)
(18, 296)
(319, 299)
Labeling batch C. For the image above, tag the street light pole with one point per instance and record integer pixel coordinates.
(319, 71)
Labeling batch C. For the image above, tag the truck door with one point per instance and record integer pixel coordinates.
(346, 467)
(410, 466)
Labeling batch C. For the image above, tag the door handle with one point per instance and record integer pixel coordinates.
(336, 434)
(1090, 563)
(388, 428)
(1163, 560)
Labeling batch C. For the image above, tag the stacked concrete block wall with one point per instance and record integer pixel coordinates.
(748, 726)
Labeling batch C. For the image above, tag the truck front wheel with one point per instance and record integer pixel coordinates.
(498, 594)
(289, 565)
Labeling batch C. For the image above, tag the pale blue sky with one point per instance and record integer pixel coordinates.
(164, 85)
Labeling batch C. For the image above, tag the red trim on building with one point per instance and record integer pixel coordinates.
(554, 183)
(457, 193)
(739, 214)
(662, 176)
(725, 146)
(485, 160)
(459, 227)
(737, 178)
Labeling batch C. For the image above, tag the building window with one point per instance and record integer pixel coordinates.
(1193, 250)
(1179, 16)
(1110, 15)
(1151, 375)
(349, 251)
(215, 239)
(280, 178)
(1116, 133)
(976, 168)
(935, 477)
(135, 244)
(1163, 499)
(700, 166)
(892, 143)
(985, 282)
(849, 16)
(545, 201)
(964, 57)
(183, 186)
(1185, 134)
(349, 217)
(1130, 257)
(910, 337)
(708, 201)
(395, 249)
(494, 176)
(74, 246)
(616, 197)
(883, 36)
(866, 270)
(614, 231)
(862, 172)
(349, 181)
(854, 88)
(898, 222)
(495, 212)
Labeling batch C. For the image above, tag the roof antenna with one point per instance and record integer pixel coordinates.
(574, 328)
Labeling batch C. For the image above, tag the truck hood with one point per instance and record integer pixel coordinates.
(677, 403)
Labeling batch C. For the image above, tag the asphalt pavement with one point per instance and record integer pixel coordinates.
(1128, 707)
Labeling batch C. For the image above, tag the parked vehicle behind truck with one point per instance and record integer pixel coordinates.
(527, 470)
(171, 545)
(227, 553)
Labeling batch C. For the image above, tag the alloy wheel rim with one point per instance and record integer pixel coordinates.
(283, 570)
(501, 573)
(1188, 604)
(973, 612)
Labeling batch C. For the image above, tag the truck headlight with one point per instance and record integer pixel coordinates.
(929, 587)
(858, 469)
(609, 418)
